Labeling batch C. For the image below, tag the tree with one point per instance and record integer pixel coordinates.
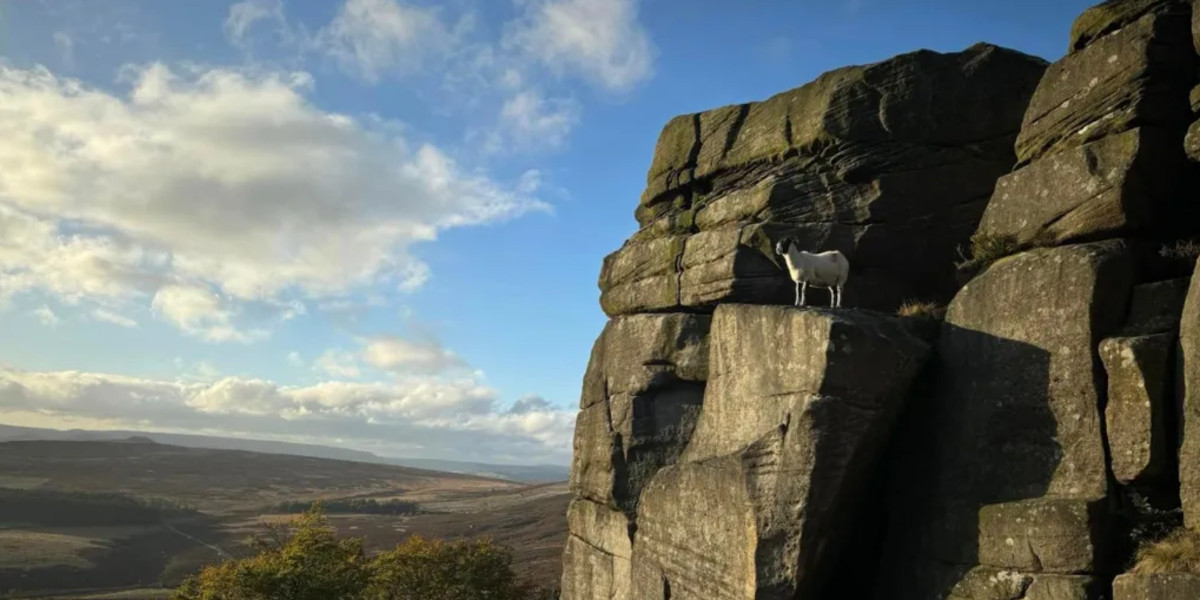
(423, 569)
(299, 560)
(304, 560)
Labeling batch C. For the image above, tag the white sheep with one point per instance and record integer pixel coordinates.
(827, 270)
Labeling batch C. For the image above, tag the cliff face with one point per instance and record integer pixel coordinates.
(731, 446)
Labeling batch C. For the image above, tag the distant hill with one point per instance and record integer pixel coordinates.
(519, 473)
(212, 479)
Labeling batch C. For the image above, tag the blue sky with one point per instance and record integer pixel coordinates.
(368, 223)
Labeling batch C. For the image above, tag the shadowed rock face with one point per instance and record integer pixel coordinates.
(882, 162)
(760, 502)
(1004, 466)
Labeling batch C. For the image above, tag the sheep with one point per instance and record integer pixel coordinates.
(827, 270)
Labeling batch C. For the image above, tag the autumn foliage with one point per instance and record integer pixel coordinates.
(304, 560)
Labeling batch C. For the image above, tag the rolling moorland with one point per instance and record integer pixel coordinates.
(128, 518)
(522, 473)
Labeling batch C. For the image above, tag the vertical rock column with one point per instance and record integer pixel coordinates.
(640, 401)
(798, 407)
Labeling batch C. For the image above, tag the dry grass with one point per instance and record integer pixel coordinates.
(1178, 552)
(20, 549)
(21, 483)
(987, 248)
(922, 310)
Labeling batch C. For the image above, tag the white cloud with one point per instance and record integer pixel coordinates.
(108, 316)
(338, 363)
(397, 355)
(294, 359)
(445, 418)
(529, 404)
(372, 37)
(221, 178)
(601, 40)
(527, 120)
(46, 316)
(201, 313)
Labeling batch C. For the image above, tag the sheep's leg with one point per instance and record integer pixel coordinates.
(832, 296)
(839, 296)
(803, 293)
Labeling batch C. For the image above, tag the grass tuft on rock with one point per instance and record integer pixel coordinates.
(987, 248)
(1178, 552)
(920, 309)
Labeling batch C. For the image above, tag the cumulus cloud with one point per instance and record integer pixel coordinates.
(601, 40)
(434, 417)
(529, 404)
(397, 355)
(199, 312)
(221, 179)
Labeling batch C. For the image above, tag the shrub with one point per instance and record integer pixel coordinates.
(423, 569)
(922, 310)
(302, 559)
(1178, 552)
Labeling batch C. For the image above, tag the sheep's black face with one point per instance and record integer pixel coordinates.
(780, 247)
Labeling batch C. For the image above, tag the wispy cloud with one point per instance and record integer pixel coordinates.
(108, 316)
(599, 40)
(46, 316)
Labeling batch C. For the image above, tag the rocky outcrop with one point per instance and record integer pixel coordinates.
(787, 438)
(1101, 144)
(1008, 470)
(730, 449)
(882, 162)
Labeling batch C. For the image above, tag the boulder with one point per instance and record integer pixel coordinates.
(1110, 16)
(1163, 586)
(642, 392)
(1122, 184)
(1189, 379)
(1140, 409)
(1136, 76)
(789, 433)
(881, 161)
(1012, 424)
(1155, 307)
